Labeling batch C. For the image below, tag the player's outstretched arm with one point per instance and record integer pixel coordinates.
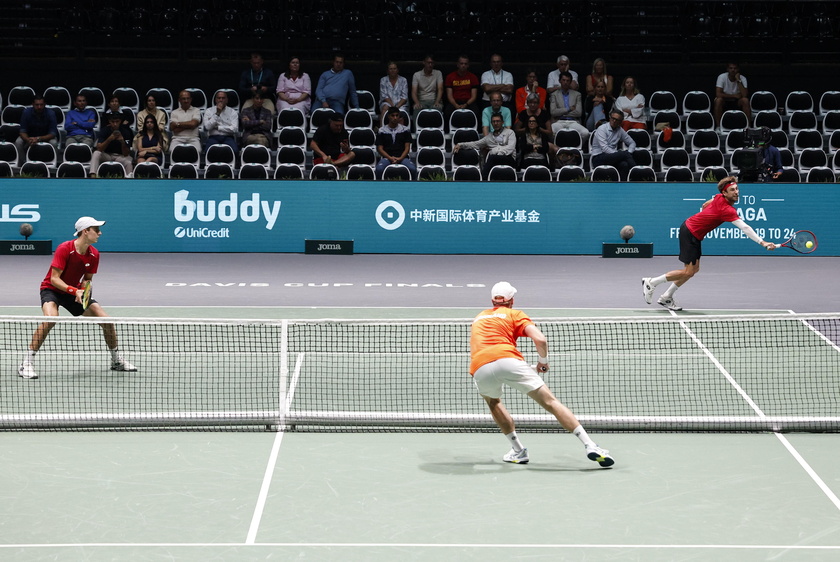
(752, 235)
(541, 344)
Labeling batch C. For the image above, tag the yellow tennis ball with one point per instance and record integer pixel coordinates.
(809, 244)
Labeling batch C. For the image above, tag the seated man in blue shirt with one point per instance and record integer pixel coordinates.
(80, 122)
(393, 143)
(334, 86)
(495, 106)
(36, 125)
(605, 142)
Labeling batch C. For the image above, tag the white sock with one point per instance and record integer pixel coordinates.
(514, 441)
(29, 357)
(654, 281)
(581, 434)
(669, 292)
(115, 354)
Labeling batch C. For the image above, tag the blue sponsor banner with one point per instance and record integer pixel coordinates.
(406, 217)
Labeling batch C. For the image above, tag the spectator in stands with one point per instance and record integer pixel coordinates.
(533, 109)
(495, 108)
(461, 88)
(222, 123)
(257, 78)
(553, 82)
(331, 143)
(731, 92)
(598, 106)
(36, 125)
(599, 72)
(80, 122)
(256, 122)
(605, 146)
(534, 145)
(184, 123)
(497, 80)
(334, 87)
(114, 106)
(149, 144)
(427, 86)
(294, 88)
(531, 87)
(152, 109)
(500, 145)
(771, 159)
(567, 107)
(632, 104)
(393, 143)
(113, 143)
(393, 90)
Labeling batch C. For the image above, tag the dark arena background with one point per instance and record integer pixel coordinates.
(782, 46)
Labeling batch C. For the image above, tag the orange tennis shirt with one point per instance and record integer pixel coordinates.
(494, 333)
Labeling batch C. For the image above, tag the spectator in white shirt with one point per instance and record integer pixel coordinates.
(553, 82)
(632, 104)
(731, 92)
(222, 123)
(605, 141)
(500, 145)
(497, 80)
(184, 123)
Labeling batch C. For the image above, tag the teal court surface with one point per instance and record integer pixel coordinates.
(426, 492)
(421, 495)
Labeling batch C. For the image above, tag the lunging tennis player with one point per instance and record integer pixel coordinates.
(74, 263)
(495, 361)
(713, 213)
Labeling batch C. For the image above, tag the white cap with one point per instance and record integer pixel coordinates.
(86, 222)
(502, 289)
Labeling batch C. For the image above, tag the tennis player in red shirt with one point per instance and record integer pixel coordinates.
(73, 265)
(495, 361)
(713, 213)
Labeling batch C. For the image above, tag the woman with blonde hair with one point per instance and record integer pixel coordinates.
(632, 104)
(599, 72)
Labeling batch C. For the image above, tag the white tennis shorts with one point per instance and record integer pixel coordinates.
(513, 372)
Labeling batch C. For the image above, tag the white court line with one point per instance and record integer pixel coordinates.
(272, 460)
(482, 546)
(802, 462)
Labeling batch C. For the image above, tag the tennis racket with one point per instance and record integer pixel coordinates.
(86, 295)
(802, 241)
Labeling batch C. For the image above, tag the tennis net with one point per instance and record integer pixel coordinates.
(660, 373)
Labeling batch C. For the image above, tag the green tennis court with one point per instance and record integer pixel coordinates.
(380, 492)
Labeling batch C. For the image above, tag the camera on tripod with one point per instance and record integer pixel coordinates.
(750, 158)
(755, 138)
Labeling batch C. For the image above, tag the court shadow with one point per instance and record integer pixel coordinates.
(468, 467)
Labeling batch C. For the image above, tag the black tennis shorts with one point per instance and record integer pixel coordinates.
(65, 300)
(690, 246)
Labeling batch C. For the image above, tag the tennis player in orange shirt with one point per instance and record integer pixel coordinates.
(495, 360)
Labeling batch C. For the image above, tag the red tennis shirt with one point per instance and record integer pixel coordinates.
(74, 266)
(716, 213)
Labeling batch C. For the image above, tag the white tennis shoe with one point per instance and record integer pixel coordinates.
(599, 455)
(27, 370)
(647, 289)
(121, 364)
(669, 303)
(517, 458)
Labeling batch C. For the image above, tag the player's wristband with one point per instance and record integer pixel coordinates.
(543, 360)
(72, 290)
